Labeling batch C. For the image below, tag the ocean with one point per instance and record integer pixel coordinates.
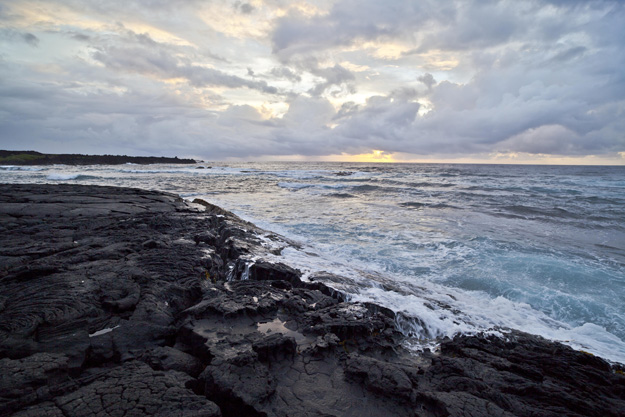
(451, 248)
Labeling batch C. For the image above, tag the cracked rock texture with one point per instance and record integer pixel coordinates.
(125, 302)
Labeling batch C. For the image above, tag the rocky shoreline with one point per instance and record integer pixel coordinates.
(125, 302)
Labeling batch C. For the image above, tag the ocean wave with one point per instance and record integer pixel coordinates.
(341, 195)
(368, 168)
(295, 185)
(532, 212)
(20, 168)
(157, 171)
(417, 205)
(367, 188)
(427, 311)
(419, 184)
(62, 176)
(602, 200)
(443, 274)
(303, 185)
(194, 170)
(298, 174)
(431, 184)
(491, 189)
(234, 170)
(439, 312)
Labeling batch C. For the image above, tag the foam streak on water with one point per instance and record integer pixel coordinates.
(451, 248)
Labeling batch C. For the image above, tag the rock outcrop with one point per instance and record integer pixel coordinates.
(38, 158)
(118, 301)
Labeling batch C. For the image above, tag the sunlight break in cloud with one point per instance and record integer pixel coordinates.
(450, 80)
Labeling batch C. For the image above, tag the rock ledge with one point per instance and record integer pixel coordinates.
(124, 302)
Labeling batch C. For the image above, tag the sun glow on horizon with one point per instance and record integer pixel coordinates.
(379, 156)
(375, 155)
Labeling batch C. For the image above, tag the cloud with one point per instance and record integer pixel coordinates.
(569, 54)
(347, 23)
(287, 73)
(244, 8)
(427, 79)
(13, 35)
(546, 139)
(384, 123)
(139, 53)
(79, 36)
(30, 39)
(308, 113)
(333, 76)
(433, 25)
(314, 78)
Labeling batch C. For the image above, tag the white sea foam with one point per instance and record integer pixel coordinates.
(157, 171)
(546, 258)
(300, 185)
(20, 168)
(437, 311)
(428, 311)
(192, 170)
(299, 174)
(62, 176)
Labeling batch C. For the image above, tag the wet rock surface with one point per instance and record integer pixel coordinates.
(127, 302)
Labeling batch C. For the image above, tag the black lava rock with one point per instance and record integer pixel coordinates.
(117, 301)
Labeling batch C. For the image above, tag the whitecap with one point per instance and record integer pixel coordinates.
(62, 176)
(20, 168)
(66, 176)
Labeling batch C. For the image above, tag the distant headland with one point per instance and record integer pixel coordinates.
(37, 158)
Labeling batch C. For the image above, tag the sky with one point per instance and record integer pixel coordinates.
(390, 81)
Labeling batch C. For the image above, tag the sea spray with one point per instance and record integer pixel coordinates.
(453, 248)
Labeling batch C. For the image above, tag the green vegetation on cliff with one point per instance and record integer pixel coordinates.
(37, 158)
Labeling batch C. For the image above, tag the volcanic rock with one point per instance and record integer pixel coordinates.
(117, 301)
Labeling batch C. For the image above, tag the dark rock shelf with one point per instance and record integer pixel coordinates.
(124, 302)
